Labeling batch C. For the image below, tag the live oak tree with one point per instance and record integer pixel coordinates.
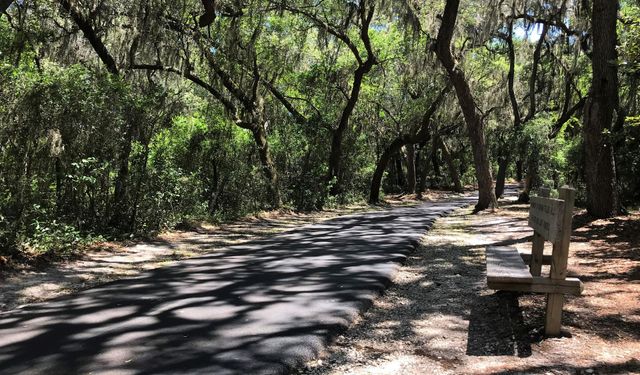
(473, 118)
(537, 19)
(419, 133)
(237, 86)
(359, 14)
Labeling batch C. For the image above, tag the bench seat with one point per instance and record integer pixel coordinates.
(504, 264)
(506, 270)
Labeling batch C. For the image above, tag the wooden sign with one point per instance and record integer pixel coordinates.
(545, 217)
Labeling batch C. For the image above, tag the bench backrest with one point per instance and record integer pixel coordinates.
(551, 220)
(546, 217)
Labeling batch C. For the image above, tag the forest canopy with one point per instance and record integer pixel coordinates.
(124, 118)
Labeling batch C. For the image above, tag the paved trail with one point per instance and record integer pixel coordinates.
(258, 308)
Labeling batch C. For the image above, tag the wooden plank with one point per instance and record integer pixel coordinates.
(553, 321)
(543, 285)
(526, 258)
(559, 260)
(561, 247)
(504, 264)
(545, 217)
(536, 260)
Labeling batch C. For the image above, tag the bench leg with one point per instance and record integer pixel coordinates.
(537, 250)
(554, 314)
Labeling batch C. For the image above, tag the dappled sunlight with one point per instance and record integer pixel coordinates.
(441, 318)
(113, 261)
(270, 303)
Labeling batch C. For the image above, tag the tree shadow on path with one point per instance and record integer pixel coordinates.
(260, 307)
(496, 327)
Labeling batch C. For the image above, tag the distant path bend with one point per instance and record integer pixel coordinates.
(262, 307)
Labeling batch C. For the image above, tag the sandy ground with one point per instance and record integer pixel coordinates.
(440, 318)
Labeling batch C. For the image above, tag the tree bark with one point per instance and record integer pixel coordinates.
(268, 167)
(400, 178)
(411, 168)
(120, 206)
(254, 114)
(335, 157)
(519, 170)
(451, 166)
(435, 164)
(389, 151)
(475, 126)
(502, 175)
(530, 180)
(424, 173)
(506, 152)
(600, 175)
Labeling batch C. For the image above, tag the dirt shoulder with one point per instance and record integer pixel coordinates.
(28, 283)
(440, 318)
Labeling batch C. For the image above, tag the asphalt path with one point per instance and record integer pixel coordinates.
(263, 307)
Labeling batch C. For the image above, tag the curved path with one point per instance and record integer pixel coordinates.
(263, 307)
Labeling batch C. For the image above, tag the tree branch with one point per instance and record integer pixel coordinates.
(534, 74)
(333, 30)
(229, 106)
(297, 115)
(91, 35)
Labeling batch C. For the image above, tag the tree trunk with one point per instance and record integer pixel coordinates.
(268, 167)
(502, 174)
(92, 37)
(420, 137)
(435, 163)
(335, 163)
(424, 173)
(400, 180)
(517, 121)
(475, 126)
(142, 176)
(530, 180)
(334, 177)
(519, 170)
(419, 167)
(376, 180)
(600, 175)
(365, 10)
(213, 189)
(451, 166)
(411, 168)
(120, 207)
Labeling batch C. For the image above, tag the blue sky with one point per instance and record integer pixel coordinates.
(533, 33)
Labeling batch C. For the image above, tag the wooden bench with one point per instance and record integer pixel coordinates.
(507, 269)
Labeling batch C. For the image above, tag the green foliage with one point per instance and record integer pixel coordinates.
(628, 162)
(85, 153)
(58, 239)
(629, 31)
